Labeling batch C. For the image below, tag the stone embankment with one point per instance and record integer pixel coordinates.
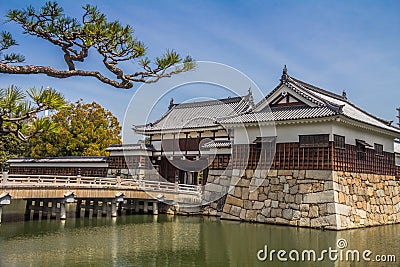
(306, 198)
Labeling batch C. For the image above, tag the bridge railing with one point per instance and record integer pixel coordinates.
(82, 181)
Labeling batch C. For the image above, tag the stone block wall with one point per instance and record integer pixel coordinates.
(215, 191)
(311, 198)
(366, 199)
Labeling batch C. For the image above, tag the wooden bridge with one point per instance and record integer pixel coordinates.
(49, 194)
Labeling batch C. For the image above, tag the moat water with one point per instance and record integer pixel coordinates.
(165, 240)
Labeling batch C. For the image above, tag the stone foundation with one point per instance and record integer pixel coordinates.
(310, 198)
(366, 199)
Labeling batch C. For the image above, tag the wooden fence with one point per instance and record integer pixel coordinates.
(351, 160)
(290, 156)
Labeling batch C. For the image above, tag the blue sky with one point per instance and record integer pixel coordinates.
(351, 45)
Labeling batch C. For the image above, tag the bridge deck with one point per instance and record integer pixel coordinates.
(46, 186)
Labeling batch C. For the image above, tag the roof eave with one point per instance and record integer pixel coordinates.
(281, 122)
(362, 124)
(180, 130)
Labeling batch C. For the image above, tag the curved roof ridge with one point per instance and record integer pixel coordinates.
(294, 83)
(316, 100)
(279, 114)
(197, 114)
(328, 103)
(318, 89)
(227, 100)
(340, 98)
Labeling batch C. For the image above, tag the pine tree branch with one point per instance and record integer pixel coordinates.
(113, 41)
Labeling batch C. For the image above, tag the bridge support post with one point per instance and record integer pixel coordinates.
(53, 209)
(137, 207)
(113, 208)
(45, 209)
(63, 212)
(119, 198)
(36, 208)
(155, 208)
(28, 209)
(128, 207)
(95, 208)
(68, 198)
(5, 199)
(104, 208)
(145, 206)
(87, 208)
(131, 206)
(78, 208)
(119, 208)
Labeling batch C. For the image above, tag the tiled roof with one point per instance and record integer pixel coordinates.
(265, 139)
(280, 114)
(82, 159)
(218, 144)
(328, 104)
(241, 110)
(348, 109)
(130, 147)
(198, 114)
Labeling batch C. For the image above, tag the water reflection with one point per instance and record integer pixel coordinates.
(175, 241)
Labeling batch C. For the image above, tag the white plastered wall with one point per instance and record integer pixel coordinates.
(290, 133)
(285, 133)
(352, 133)
(246, 135)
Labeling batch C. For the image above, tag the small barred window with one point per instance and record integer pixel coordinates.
(319, 140)
(378, 149)
(340, 141)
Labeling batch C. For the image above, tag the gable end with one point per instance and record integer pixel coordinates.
(286, 99)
